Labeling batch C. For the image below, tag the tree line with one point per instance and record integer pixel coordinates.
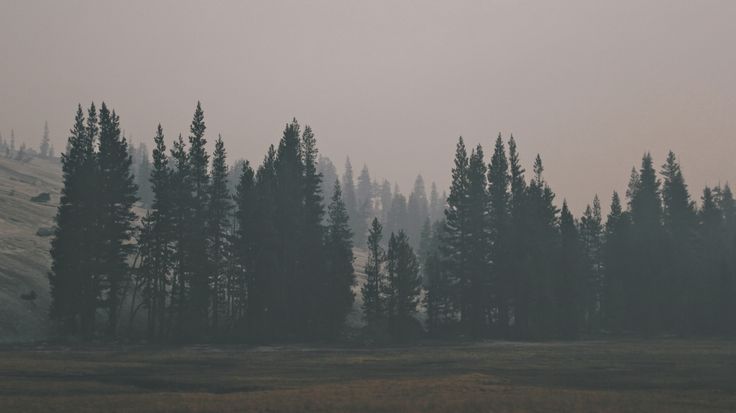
(506, 262)
(24, 153)
(368, 198)
(202, 262)
(266, 253)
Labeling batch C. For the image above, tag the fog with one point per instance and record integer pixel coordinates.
(590, 86)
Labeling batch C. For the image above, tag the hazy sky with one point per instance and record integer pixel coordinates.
(590, 85)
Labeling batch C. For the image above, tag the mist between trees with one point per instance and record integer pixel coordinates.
(265, 253)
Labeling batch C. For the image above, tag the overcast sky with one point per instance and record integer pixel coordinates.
(590, 85)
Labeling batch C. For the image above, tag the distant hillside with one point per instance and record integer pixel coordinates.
(24, 256)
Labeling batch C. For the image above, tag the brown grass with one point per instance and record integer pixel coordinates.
(662, 375)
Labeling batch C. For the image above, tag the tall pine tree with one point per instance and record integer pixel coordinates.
(71, 269)
(198, 262)
(338, 294)
(499, 199)
(373, 306)
(116, 196)
(218, 233)
(312, 241)
(403, 284)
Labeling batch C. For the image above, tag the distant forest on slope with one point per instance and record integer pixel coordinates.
(260, 253)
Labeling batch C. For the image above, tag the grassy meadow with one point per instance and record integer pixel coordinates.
(635, 375)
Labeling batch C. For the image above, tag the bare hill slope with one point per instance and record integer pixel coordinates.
(24, 256)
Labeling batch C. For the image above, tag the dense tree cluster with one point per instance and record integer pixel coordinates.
(368, 199)
(210, 263)
(9, 148)
(266, 253)
(92, 245)
(506, 262)
(393, 284)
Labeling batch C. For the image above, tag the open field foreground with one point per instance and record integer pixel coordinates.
(661, 375)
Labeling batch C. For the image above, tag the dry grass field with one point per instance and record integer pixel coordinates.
(646, 376)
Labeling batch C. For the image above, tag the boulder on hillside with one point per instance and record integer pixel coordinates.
(42, 197)
(45, 231)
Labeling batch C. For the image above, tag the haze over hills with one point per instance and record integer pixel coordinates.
(379, 79)
(331, 206)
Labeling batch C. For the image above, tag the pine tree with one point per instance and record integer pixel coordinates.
(499, 232)
(397, 215)
(373, 308)
(312, 249)
(456, 235)
(709, 294)
(245, 245)
(364, 188)
(678, 210)
(403, 284)
(116, 196)
(364, 197)
(89, 222)
(727, 206)
(156, 243)
(417, 211)
(438, 299)
(12, 143)
(518, 243)
(91, 290)
(263, 291)
(351, 201)
(44, 147)
(476, 287)
(436, 205)
(644, 196)
(569, 279)
(145, 276)
(218, 227)
(71, 275)
(290, 307)
(182, 222)
(386, 198)
(338, 294)
(648, 298)
(591, 234)
(679, 219)
(233, 175)
(425, 243)
(327, 170)
(198, 262)
(538, 266)
(616, 272)
(142, 177)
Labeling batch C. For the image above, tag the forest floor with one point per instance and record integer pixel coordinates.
(664, 375)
